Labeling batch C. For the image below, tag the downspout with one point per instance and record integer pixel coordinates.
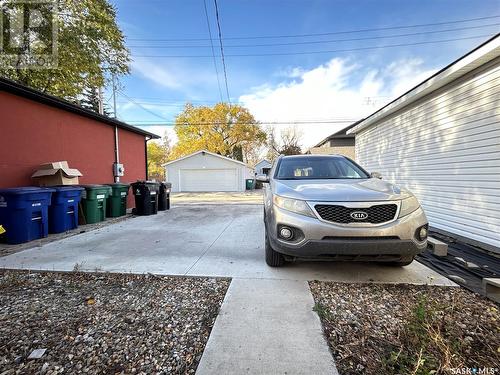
(117, 153)
(146, 155)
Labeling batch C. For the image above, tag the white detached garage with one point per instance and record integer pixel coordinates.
(206, 171)
(441, 140)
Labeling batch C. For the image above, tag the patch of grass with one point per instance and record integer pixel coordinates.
(377, 329)
(322, 311)
(416, 354)
(77, 267)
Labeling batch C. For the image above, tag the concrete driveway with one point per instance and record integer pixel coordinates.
(246, 197)
(266, 323)
(201, 240)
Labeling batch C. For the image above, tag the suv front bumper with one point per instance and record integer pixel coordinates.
(322, 240)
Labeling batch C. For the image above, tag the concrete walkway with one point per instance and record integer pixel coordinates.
(267, 327)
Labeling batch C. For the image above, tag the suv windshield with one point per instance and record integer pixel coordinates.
(317, 168)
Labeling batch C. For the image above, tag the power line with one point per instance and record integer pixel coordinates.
(297, 122)
(324, 51)
(222, 51)
(324, 41)
(172, 106)
(183, 101)
(212, 47)
(141, 106)
(173, 103)
(327, 33)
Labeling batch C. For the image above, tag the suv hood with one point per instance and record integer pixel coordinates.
(346, 190)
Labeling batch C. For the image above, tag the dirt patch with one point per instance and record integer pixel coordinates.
(408, 329)
(105, 323)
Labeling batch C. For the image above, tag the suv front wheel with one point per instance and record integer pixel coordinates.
(273, 258)
(405, 261)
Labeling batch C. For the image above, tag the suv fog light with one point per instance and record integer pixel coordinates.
(286, 233)
(422, 233)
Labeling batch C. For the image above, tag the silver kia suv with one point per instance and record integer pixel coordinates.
(328, 207)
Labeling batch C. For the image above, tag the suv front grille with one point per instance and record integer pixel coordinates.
(339, 214)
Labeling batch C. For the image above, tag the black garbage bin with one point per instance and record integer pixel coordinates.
(146, 197)
(164, 196)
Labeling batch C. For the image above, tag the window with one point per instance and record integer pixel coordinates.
(311, 168)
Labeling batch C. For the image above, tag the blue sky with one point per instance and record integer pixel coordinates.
(335, 85)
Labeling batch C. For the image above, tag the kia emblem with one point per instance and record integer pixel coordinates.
(359, 215)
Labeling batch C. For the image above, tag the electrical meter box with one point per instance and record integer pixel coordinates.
(118, 170)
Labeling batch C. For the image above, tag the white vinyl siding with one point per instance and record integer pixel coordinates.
(445, 148)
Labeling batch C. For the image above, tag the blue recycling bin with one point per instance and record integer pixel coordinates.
(24, 213)
(63, 212)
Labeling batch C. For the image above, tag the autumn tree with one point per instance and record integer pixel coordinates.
(272, 147)
(228, 130)
(158, 154)
(91, 49)
(288, 142)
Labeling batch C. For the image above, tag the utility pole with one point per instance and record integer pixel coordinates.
(101, 105)
(114, 95)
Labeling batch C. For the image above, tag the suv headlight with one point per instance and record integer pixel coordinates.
(408, 205)
(293, 205)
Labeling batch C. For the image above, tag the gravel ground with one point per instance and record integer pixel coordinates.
(105, 323)
(408, 329)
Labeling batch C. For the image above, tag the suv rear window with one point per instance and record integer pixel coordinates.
(318, 168)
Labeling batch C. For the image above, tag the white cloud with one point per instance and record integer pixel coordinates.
(338, 89)
(157, 74)
(181, 77)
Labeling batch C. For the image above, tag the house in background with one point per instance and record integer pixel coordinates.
(206, 171)
(339, 143)
(441, 140)
(36, 128)
(263, 167)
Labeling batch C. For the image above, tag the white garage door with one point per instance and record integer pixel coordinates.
(209, 180)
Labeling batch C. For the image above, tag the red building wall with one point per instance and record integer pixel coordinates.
(32, 133)
(133, 157)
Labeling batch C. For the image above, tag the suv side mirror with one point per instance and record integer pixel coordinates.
(376, 175)
(264, 178)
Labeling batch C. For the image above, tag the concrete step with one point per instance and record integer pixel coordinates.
(438, 248)
(491, 287)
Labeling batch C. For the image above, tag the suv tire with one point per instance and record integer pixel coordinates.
(273, 258)
(403, 262)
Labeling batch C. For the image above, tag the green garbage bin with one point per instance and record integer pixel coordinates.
(117, 201)
(94, 202)
(250, 185)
